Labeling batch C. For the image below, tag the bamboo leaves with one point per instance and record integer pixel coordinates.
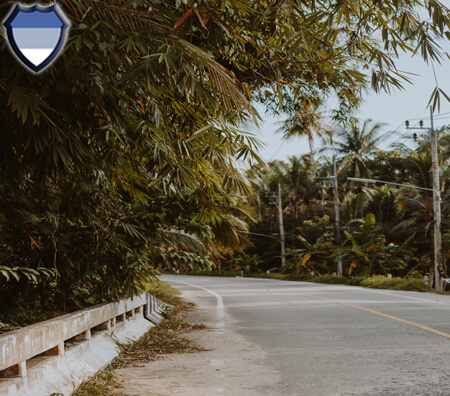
(124, 153)
(34, 275)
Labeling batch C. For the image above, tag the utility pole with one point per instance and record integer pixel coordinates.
(275, 199)
(280, 215)
(337, 219)
(436, 202)
(436, 207)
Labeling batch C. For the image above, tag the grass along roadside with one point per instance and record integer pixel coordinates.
(162, 339)
(374, 282)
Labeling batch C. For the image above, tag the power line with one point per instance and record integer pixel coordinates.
(279, 148)
(403, 136)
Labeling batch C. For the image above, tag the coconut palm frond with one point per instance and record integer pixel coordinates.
(231, 233)
(180, 240)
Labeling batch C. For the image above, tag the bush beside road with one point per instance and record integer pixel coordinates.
(374, 282)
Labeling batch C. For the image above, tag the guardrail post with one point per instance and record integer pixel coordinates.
(57, 350)
(18, 370)
(22, 369)
(104, 326)
(138, 312)
(84, 336)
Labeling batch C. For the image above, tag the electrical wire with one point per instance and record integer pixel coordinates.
(279, 148)
(404, 136)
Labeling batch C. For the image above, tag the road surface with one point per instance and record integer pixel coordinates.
(272, 337)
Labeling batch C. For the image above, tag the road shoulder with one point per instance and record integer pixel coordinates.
(230, 364)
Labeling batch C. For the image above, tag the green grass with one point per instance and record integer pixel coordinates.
(382, 282)
(164, 292)
(375, 282)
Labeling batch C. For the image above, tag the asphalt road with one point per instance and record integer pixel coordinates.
(329, 339)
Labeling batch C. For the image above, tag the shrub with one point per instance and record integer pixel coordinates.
(332, 279)
(357, 280)
(374, 282)
(382, 282)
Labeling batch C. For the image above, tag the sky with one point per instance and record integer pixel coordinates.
(394, 109)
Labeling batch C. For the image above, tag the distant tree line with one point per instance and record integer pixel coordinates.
(385, 229)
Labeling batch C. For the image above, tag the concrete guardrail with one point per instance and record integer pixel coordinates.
(50, 338)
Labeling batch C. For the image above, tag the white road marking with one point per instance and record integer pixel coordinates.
(219, 311)
(383, 292)
(216, 363)
(402, 296)
(426, 328)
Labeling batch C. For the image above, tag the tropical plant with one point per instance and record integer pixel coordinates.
(314, 257)
(307, 121)
(365, 252)
(249, 263)
(354, 144)
(104, 174)
(124, 149)
(353, 205)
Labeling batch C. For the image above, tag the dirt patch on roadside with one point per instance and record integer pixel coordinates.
(229, 365)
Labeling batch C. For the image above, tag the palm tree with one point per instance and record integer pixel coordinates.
(301, 188)
(353, 205)
(354, 144)
(307, 121)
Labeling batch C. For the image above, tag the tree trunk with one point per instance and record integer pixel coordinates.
(219, 267)
(294, 221)
(231, 266)
(431, 276)
(322, 201)
(311, 149)
(411, 271)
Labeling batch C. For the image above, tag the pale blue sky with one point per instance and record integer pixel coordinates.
(391, 109)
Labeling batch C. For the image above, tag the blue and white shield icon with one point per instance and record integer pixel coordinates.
(36, 34)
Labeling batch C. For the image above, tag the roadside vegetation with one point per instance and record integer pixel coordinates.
(384, 229)
(124, 157)
(376, 282)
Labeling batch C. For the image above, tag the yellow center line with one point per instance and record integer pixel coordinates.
(423, 327)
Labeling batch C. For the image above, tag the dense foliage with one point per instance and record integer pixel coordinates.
(120, 157)
(385, 229)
